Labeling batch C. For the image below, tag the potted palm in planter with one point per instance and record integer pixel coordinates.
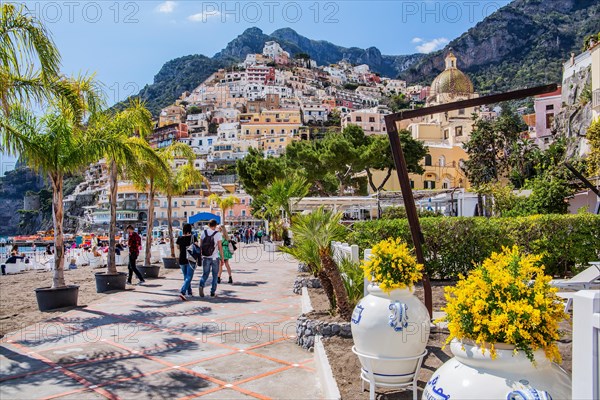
(320, 228)
(503, 321)
(57, 144)
(391, 322)
(124, 145)
(176, 183)
(276, 207)
(151, 176)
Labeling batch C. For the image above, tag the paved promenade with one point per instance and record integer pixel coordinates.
(146, 343)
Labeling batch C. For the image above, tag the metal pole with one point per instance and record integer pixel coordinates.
(409, 205)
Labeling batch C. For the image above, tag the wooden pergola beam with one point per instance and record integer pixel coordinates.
(391, 121)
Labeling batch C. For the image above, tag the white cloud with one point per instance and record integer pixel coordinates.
(417, 40)
(167, 7)
(203, 16)
(432, 45)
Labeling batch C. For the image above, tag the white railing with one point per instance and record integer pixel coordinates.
(596, 99)
(343, 251)
(586, 343)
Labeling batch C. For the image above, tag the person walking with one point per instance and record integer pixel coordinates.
(259, 235)
(211, 243)
(187, 267)
(228, 249)
(134, 243)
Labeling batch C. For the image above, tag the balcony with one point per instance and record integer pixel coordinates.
(596, 100)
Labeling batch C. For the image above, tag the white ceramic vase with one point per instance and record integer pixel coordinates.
(390, 325)
(473, 375)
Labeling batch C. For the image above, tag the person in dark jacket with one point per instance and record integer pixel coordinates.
(134, 243)
(187, 267)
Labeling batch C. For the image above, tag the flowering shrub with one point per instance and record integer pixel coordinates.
(506, 299)
(392, 265)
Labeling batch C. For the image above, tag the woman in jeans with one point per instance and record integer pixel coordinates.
(186, 266)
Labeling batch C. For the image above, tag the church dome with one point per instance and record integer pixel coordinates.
(452, 80)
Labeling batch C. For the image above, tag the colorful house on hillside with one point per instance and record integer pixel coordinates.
(546, 106)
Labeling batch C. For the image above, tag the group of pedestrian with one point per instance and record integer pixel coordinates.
(213, 250)
(250, 235)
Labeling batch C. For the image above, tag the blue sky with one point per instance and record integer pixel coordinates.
(126, 42)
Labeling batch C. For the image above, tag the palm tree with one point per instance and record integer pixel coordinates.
(307, 251)
(149, 175)
(177, 182)
(125, 146)
(224, 203)
(322, 227)
(279, 193)
(57, 144)
(25, 43)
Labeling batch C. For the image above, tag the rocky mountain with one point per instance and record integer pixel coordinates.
(323, 52)
(185, 73)
(521, 45)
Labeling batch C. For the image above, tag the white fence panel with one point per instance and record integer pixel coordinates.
(586, 342)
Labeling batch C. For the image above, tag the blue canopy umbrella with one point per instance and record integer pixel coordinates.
(203, 217)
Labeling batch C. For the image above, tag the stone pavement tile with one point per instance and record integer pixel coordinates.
(189, 326)
(244, 338)
(83, 395)
(235, 367)
(170, 384)
(106, 371)
(13, 362)
(79, 353)
(157, 342)
(293, 383)
(250, 319)
(38, 386)
(184, 357)
(226, 394)
(286, 351)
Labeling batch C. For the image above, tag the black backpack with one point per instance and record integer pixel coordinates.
(208, 244)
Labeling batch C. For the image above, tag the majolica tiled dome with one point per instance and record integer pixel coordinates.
(452, 80)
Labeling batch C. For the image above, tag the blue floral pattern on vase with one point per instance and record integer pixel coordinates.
(399, 316)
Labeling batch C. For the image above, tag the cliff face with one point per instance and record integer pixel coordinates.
(13, 187)
(575, 116)
(521, 45)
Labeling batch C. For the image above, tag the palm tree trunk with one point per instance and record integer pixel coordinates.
(111, 266)
(57, 215)
(327, 287)
(170, 221)
(333, 272)
(150, 223)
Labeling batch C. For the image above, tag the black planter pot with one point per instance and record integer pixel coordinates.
(50, 299)
(170, 263)
(149, 271)
(106, 282)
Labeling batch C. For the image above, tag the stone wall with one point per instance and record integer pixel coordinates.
(307, 329)
(307, 282)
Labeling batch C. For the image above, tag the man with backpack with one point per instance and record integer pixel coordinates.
(211, 244)
(134, 243)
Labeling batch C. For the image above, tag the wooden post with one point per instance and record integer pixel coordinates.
(409, 205)
(402, 170)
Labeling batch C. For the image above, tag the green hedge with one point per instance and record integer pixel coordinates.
(454, 244)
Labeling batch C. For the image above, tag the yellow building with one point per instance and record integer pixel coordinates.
(443, 133)
(442, 171)
(171, 115)
(270, 123)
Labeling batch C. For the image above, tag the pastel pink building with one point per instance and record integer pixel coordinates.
(546, 107)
